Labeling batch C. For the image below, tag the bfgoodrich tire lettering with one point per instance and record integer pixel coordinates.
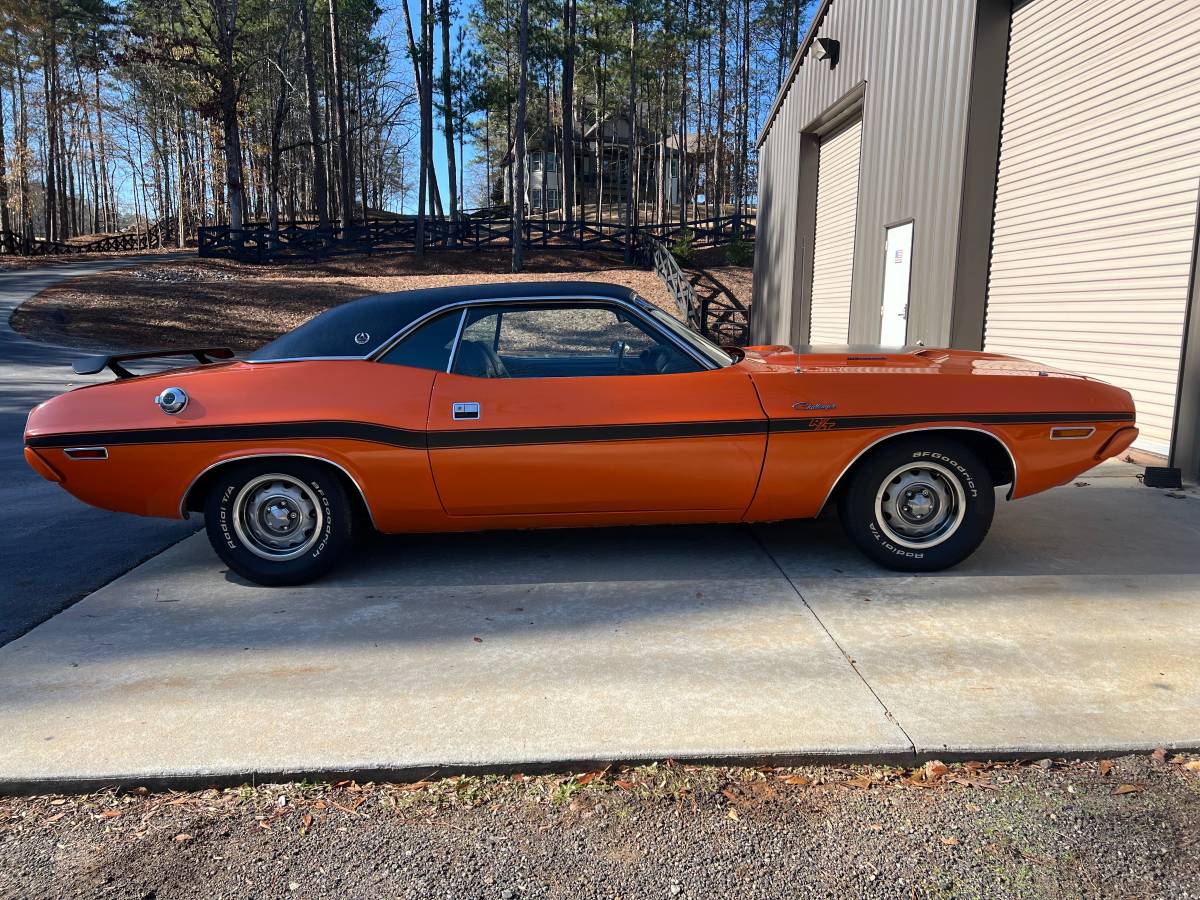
(279, 521)
(918, 504)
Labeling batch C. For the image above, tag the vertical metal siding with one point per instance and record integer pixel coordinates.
(833, 246)
(915, 58)
(1096, 195)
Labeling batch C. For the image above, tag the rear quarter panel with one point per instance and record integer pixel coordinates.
(154, 458)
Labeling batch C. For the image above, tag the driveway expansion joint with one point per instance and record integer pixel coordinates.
(849, 659)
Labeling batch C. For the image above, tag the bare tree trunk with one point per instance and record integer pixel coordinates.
(568, 111)
(683, 121)
(518, 200)
(225, 14)
(320, 184)
(277, 119)
(719, 152)
(23, 143)
(51, 187)
(631, 188)
(345, 181)
(5, 222)
(448, 119)
(180, 181)
(744, 159)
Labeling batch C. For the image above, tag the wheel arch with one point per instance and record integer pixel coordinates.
(193, 497)
(989, 446)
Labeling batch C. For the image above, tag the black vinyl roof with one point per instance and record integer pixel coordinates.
(360, 327)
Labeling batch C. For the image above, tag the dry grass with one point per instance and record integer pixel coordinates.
(215, 302)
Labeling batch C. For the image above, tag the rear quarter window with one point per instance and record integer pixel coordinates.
(429, 346)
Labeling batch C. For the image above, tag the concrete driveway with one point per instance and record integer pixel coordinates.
(56, 549)
(1074, 630)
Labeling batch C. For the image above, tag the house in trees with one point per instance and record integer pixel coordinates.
(601, 152)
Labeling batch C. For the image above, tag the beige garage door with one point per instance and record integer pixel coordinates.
(1096, 197)
(833, 245)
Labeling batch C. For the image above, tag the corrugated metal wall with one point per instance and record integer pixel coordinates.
(915, 57)
(833, 243)
(1097, 192)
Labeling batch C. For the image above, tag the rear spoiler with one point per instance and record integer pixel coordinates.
(90, 365)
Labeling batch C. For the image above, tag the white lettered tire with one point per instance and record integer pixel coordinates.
(918, 504)
(279, 521)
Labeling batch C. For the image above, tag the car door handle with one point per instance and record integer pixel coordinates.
(465, 410)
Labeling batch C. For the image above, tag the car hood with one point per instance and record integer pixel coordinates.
(868, 359)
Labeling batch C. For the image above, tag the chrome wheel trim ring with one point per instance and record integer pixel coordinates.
(920, 505)
(277, 517)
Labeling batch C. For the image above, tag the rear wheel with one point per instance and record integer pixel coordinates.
(279, 521)
(918, 505)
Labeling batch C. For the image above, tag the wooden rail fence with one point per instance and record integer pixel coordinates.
(159, 234)
(258, 242)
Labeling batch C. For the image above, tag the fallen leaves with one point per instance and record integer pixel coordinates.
(1159, 755)
(798, 780)
(1106, 766)
(950, 841)
(929, 774)
(623, 784)
(1129, 788)
(977, 783)
(182, 838)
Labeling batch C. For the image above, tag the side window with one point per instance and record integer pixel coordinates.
(429, 346)
(564, 341)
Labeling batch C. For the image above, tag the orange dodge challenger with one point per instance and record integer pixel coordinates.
(543, 405)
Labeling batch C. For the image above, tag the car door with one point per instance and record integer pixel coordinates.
(587, 407)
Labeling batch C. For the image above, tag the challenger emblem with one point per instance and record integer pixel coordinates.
(362, 337)
(804, 404)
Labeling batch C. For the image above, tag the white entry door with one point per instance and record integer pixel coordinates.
(897, 268)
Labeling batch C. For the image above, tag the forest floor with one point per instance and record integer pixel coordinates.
(208, 302)
(1128, 827)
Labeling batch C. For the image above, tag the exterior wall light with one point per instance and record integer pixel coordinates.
(827, 48)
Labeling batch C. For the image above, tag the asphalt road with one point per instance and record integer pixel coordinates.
(55, 549)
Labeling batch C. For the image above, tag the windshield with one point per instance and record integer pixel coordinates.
(703, 345)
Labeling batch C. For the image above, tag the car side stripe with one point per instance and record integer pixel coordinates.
(447, 439)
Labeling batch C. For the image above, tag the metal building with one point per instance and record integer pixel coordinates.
(1018, 177)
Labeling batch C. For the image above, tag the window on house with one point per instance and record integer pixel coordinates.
(535, 198)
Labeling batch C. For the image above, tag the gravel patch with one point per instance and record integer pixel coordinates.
(1125, 827)
(181, 274)
(205, 302)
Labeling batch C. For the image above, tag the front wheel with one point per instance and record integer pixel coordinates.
(279, 521)
(918, 505)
